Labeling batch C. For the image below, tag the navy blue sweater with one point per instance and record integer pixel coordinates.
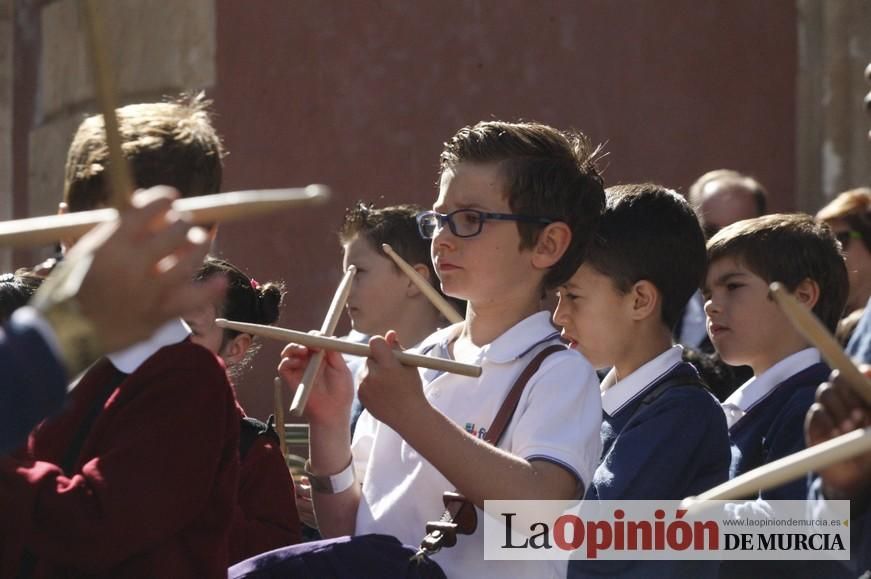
(672, 447)
(34, 383)
(774, 428)
(770, 430)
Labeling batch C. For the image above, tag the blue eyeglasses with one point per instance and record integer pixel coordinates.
(467, 222)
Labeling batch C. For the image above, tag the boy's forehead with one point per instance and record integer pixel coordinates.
(360, 248)
(726, 266)
(472, 185)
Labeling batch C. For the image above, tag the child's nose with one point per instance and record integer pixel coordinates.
(443, 237)
(559, 314)
(711, 307)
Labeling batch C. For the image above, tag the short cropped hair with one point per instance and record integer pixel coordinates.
(548, 173)
(168, 143)
(395, 225)
(853, 207)
(648, 232)
(695, 195)
(789, 248)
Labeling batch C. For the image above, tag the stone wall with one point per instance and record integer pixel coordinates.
(833, 149)
(158, 49)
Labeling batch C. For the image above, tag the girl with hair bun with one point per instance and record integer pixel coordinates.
(247, 300)
(265, 516)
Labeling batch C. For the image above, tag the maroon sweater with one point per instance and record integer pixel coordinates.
(153, 489)
(265, 517)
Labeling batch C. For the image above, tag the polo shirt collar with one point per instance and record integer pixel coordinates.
(129, 359)
(617, 394)
(514, 343)
(759, 387)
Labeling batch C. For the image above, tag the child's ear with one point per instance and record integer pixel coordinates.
(234, 351)
(411, 289)
(646, 300)
(553, 241)
(807, 292)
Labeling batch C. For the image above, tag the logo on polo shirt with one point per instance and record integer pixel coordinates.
(480, 432)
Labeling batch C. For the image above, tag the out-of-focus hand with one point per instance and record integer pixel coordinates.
(838, 410)
(142, 270)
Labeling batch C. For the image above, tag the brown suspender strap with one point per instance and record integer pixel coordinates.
(460, 515)
(509, 405)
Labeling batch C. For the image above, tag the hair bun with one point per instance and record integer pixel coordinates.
(269, 298)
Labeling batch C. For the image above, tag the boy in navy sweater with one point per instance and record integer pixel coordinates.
(663, 434)
(766, 414)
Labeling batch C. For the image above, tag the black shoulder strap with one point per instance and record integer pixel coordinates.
(250, 429)
(680, 380)
(690, 379)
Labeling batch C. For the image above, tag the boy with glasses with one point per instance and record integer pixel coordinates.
(520, 202)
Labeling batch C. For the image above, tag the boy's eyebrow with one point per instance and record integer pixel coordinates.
(729, 275)
(458, 206)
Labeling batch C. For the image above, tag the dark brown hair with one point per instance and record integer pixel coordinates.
(395, 225)
(169, 143)
(548, 173)
(789, 248)
(648, 232)
(246, 300)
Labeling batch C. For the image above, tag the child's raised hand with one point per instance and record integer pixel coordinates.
(390, 391)
(333, 391)
(838, 410)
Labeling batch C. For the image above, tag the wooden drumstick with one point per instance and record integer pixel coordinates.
(278, 393)
(790, 467)
(327, 329)
(352, 348)
(816, 333)
(203, 210)
(120, 180)
(440, 303)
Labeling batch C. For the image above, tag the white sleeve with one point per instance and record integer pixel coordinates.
(559, 417)
(361, 445)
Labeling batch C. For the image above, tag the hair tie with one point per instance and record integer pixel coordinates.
(255, 284)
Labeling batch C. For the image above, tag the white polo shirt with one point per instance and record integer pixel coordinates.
(558, 419)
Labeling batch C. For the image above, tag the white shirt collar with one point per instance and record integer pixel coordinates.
(616, 395)
(129, 359)
(759, 387)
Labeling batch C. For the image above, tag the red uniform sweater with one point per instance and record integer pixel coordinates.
(153, 489)
(265, 517)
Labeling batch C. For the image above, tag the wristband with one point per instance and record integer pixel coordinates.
(331, 484)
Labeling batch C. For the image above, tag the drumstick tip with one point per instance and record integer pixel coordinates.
(317, 192)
